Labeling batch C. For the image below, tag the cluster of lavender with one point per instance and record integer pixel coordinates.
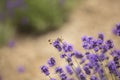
(101, 61)
(116, 29)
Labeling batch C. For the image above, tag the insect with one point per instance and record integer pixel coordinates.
(59, 39)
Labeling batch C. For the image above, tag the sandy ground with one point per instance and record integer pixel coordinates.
(88, 18)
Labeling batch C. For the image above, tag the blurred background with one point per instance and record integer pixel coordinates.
(26, 26)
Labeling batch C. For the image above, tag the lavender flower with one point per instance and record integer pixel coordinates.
(112, 67)
(70, 54)
(45, 70)
(96, 66)
(52, 79)
(82, 60)
(70, 47)
(89, 65)
(70, 79)
(85, 45)
(116, 29)
(82, 76)
(87, 70)
(104, 48)
(102, 57)
(84, 38)
(101, 74)
(109, 44)
(67, 47)
(93, 58)
(78, 70)
(96, 49)
(93, 78)
(69, 69)
(62, 55)
(78, 54)
(99, 41)
(51, 62)
(57, 45)
(101, 36)
(114, 52)
(116, 59)
(63, 76)
(69, 60)
(59, 70)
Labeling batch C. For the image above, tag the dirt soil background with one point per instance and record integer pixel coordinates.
(90, 17)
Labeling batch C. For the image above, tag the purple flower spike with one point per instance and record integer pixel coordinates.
(69, 70)
(96, 66)
(45, 70)
(58, 70)
(57, 45)
(116, 29)
(67, 47)
(89, 39)
(101, 74)
(115, 53)
(70, 54)
(93, 78)
(104, 48)
(82, 60)
(68, 59)
(101, 36)
(112, 67)
(87, 70)
(109, 44)
(70, 47)
(116, 59)
(84, 38)
(52, 79)
(82, 76)
(78, 54)
(85, 45)
(78, 70)
(99, 42)
(118, 54)
(62, 55)
(102, 57)
(51, 62)
(70, 79)
(89, 65)
(96, 49)
(93, 58)
(63, 76)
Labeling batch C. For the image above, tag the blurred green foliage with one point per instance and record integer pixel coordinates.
(6, 33)
(28, 16)
(42, 15)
